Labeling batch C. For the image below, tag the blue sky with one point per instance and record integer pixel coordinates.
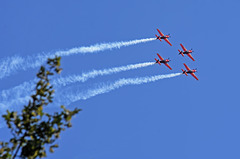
(171, 118)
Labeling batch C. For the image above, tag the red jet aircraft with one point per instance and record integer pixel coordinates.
(164, 37)
(163, 61)
(185, 51)
(190, 71)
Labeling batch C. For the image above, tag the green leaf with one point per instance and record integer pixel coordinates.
(51, 150)
(1, 150)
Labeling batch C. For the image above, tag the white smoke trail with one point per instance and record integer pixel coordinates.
(20, 94)
(117, 84)
(92, 74)
(12, 64)
(17, 95)
(67, 99)
(102, 47)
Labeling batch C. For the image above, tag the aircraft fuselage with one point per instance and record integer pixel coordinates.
(163, 37)
(163, 61)
(186, 52)
(190, 71)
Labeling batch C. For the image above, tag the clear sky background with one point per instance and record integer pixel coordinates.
(172, 118)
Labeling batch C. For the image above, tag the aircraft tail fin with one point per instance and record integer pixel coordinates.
(180, 52)
(157, 61)
(158, 37)
(184, 72)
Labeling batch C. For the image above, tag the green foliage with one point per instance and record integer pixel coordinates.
(33, 129)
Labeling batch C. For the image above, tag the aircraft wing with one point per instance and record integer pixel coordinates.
(168, 66)
(186, 67)
(160, 32)
(160, 57)
(168, 42)
(184, 49)
(194, 76)
(191, 56)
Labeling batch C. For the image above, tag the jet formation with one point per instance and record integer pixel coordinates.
(184, 52)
